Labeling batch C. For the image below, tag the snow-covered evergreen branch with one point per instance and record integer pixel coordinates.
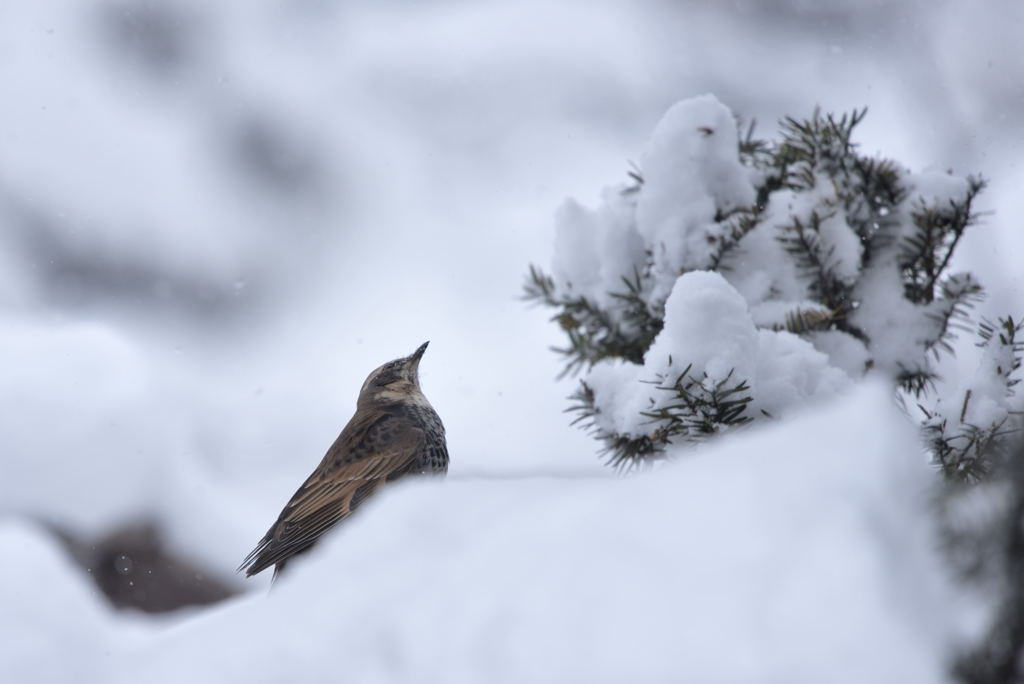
(967, 430)
(827, 263)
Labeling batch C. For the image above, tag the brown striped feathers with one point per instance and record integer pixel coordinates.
(394, 432)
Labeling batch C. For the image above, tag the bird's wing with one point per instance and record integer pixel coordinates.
(367, 453)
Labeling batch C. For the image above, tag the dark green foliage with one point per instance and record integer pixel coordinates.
(701, 406)
(593, 333)
(916, 380)
(691, 408)
(958, 294)
(965, 454)
(820, 143)
(803, 321)
(737, 224)
(982, 527)
(963, 450)
(948, 314)
(926, 253)
(621, 451)
(982, 513)
(803, 243)
(1008, 334)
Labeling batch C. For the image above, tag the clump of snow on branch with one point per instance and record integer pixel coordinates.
(692, 175)
(709, 334)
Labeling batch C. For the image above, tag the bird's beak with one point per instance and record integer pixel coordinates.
(416, 355)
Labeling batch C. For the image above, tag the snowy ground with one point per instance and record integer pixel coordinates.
(801, 552)
(215, 219)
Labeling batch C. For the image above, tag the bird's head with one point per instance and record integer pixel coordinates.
(396, 380)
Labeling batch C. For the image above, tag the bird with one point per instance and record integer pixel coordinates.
(394, 432)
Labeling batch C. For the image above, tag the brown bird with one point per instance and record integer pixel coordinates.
(394, 432)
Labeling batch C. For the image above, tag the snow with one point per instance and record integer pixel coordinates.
(843, 245)
(897, 327)
(691, 173)
(596, 250)
(55, 626)
(844, 351)
(938, 189)
(709, 329)
(707, 324)
(783, 555)
(761, 270)
(88, 386)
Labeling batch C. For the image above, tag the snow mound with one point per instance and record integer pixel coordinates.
(80, 398)
(56, 626)
(784, 555)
